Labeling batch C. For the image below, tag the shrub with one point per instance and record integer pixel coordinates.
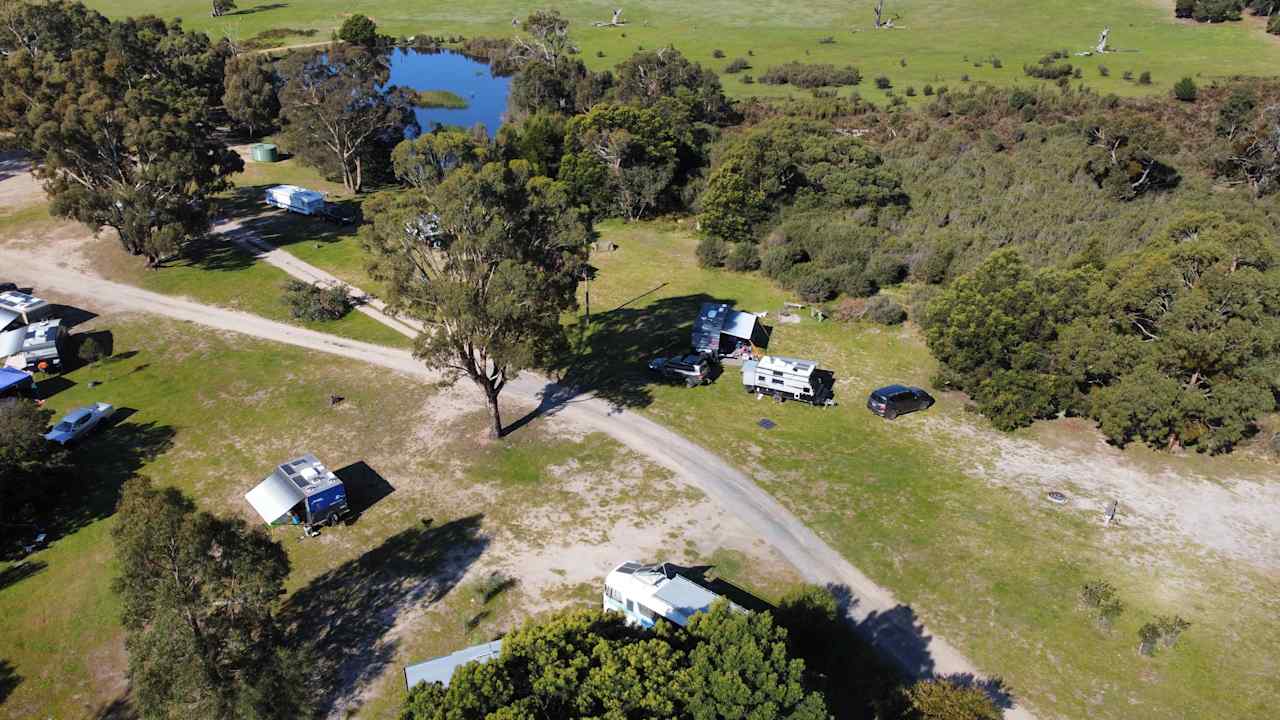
(712, 252)
(1273, 25)
(313, 302)
(1186, 90)
(1145, 78)
(777, 261)
(1184, 8)
(747, 79)
(948, 700)
(883, 82)
(599, 53)
(1127, 75)
(911, 91)
(964, 77)
(828, 40)
(1164, 630)
(737, 65)
(1100, 597)
(811, 75)
(743, 257)
(90, 351)
(884, 310)
(359, 30)
(1104, 71)
(1077, 73)
(996, 63)
(815, 287)
(1048, 70)
(1216, 11)
(928, 89)
(717, 53)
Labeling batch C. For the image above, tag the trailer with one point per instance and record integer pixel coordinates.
(647, 593)
(38, 346)
(300, 492)
(784, 378)
(295, 199)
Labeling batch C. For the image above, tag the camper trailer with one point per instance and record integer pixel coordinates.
(788, 379)
(302, 492)
(37, 346)
(645, 593)
(19, 308)
(295, 199)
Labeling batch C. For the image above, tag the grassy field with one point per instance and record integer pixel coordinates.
(996, 572)
(937, 41)
(211, 414)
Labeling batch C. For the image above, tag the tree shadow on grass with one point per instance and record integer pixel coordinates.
(257, 9)
(18, 572)
(212, 253)
(282, 228)
(9, 679)
(345, 617)
(611, 355)
(118, 709)
(114, 453)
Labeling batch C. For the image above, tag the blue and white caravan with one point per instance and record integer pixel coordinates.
(644, 593)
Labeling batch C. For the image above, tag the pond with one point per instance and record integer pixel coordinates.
(484, 93)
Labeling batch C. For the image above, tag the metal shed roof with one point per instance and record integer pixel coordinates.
(441, 669)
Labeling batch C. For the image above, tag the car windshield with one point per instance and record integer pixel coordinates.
(63, 426)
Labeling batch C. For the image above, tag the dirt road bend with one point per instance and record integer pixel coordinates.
(888, 624)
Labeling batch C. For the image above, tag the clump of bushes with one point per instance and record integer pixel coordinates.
(717, 53)
(879, 309)
(313, 302)
(1048, 69)
(1164, 631)
(1145, 78)
(737, 65)
(712, 252)
(928, 89)
(1186, 90)
(1100, 598)
(1104, 71)
(1215, 11)
(811, 75)
(1273, 25)
(828, 40)
(883, 82)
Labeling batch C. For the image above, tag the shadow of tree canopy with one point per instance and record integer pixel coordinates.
(9, 679)
(610, 355)
(257, 9)
(282, 228)
(18, 572)
(118, 709)
(115, 452)
(344, 618)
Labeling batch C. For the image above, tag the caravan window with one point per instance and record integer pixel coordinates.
(646, 613)
(776, 381)
(612, 593)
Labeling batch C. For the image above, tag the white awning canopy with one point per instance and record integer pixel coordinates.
(11, 342)
(274, 497)
(7, 316)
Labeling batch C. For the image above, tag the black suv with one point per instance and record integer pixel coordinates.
(893, 400)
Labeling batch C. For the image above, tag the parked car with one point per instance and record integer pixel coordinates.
(694, 369)
(891, 401)
(77, 423)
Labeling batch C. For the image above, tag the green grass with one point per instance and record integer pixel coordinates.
(439, 99)
(994, 573)
(935, 36)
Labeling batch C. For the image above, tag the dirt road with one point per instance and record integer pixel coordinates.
(886, 622)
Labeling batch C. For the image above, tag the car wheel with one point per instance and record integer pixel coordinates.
(890, 414)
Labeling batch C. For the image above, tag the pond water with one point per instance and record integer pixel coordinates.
(471, 80)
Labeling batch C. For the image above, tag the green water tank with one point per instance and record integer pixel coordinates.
(264, 152)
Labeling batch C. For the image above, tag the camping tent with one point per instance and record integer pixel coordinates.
(719, 329)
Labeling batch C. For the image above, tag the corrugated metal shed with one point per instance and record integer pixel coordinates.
(441, 669)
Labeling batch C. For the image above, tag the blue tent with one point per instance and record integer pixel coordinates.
(14, 380)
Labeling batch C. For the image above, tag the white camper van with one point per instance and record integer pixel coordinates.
(645, 593)
(786, 378)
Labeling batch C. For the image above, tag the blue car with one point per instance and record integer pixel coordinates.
(77, 423)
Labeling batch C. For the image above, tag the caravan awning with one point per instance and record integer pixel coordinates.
(7, 316)
(274, 497)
